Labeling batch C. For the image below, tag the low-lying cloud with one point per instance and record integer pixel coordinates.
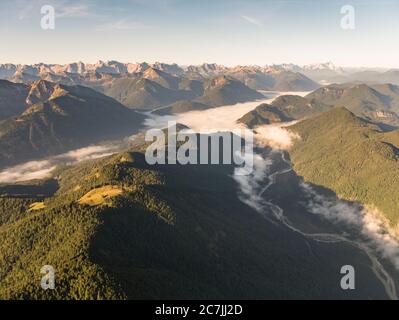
(275, 136)
(367, 221)
(42, 169)
(211, 120)
(250, 185)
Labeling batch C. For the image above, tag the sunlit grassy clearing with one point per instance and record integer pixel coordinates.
(99, 196)
(37, 206)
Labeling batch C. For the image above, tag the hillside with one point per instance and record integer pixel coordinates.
(120, 229)
(216, 92)
(253, 78)
(145, 94)
(12, 99)
(354, 158)
(162, 78)
(62, 118)
(223, 90)
(181, 107)
(264, 114)
(283, 109)
(377, 103)
(293, 81)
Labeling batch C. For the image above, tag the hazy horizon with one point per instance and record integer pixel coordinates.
(231, 33)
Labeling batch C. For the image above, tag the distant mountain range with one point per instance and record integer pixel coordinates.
(149, 86)
(328, 73)
(49, 118)
(184, 82)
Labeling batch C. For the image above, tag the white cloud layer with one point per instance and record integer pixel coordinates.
(368, 221)
(120, 25)
(42, 169)
(252, 20)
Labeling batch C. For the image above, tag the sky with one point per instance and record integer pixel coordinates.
(229, 32)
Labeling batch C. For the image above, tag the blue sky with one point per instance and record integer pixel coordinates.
(229, 32)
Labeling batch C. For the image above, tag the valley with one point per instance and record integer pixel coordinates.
(74, 175)
(215, 119)
(276, 201)
(292, 205)
(185, 156)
